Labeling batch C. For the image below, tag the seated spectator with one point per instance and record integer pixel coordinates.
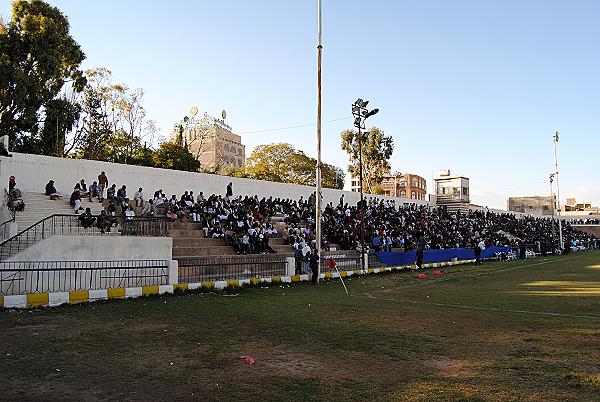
(149, 209)
(121, 194)
(83, 190)
(15, 200)
(52, 192)
(138, 197)
(129, 213)
(104, 221)
(94, 191)
(111, 208)
(125, 206)
(75, 199)
(87, 219)
(111, 192)
(12, 182)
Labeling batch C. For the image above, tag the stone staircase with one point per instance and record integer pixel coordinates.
(39, 206)
(189, 241)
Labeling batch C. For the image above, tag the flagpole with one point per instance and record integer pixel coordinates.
(318, 172)
(560, 236)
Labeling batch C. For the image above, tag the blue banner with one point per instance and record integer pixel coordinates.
(409, 257)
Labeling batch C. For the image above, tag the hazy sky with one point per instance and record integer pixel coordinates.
(477, 87)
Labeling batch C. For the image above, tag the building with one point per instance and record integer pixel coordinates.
(452, 193)
(212, 142)
(574, 208)
(405, 185)
(538, 204)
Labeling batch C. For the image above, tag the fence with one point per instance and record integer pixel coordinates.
(343, 262)
(64, 276)
(201, 269)
(71, 226)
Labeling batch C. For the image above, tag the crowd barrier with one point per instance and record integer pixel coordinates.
(409, 257)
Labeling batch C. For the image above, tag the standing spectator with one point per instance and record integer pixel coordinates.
(229, 193)
(420, 248)
(314, 265)
(305, 257)
(12, 182)
(103, 184)
(138, 197)
(298, 259)
(478, 249)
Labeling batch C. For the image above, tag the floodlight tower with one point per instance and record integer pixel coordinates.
(318, 231)
(560, 236)
(360, 114)
(553, 209)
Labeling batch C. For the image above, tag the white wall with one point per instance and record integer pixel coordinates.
(32, 172)
(97, 248)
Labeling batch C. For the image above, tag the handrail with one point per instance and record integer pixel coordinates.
(68, 224)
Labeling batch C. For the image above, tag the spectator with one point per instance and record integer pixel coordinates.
(103, 184)
(104, 222)
(94, 191)
(229, 192)
(111, 192)
(52, 192)
(87, 219)
(138, 197)
(298, 259)
(83, 190)
(75, 199)
(121, 194)
(314, 265)
(149, 209)
(12, 182)
(111, 208)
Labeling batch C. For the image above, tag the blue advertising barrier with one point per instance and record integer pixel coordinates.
(409, 257)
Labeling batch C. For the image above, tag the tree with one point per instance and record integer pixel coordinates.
(173, 156)
(377, 149)
(61, 116)
(37, 57)
(281, 162)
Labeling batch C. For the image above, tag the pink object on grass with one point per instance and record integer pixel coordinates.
(423, 276)
(437, 272)
(248, 359)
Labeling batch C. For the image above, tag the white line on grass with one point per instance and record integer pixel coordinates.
(463, 306)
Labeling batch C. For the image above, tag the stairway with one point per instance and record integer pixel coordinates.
(189, 241)
(39, 206)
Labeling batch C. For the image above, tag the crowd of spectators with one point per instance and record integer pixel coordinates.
(246, 222)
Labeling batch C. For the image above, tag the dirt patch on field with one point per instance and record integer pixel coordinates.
(446, 367)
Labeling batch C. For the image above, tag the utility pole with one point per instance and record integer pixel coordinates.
(318, 172)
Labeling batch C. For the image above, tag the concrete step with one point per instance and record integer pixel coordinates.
(198, 242)
(203, 251)
(183, 233)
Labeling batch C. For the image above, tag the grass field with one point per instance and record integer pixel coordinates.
(521, 330)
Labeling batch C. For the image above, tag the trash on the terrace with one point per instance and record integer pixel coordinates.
(248, 359)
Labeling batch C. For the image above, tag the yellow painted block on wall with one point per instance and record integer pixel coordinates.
(180, 286)
(234, 283)
(116, 293)
(296, 278)
(79, 296)
(149, 290)
(208, 285)
(255, 281)
(38, 299)
(343, 274)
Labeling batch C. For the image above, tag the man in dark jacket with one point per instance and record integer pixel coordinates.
(313, 263)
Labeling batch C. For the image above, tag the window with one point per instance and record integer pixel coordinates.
(403, 194)
(240, 152)
(239, 162)
(412, 195)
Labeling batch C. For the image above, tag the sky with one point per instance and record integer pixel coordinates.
(475, 87)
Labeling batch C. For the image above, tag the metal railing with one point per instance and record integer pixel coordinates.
(70, 225)
(199, 269)
(342, 262)
(27, 277)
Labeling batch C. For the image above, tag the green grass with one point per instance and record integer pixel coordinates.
(503, 331)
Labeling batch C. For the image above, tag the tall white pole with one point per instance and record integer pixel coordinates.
(560, 237)
(318, 173)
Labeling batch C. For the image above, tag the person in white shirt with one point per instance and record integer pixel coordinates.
(138, 197)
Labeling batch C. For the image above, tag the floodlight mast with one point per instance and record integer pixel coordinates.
(560, 236)
(318, 230)
(360, 114)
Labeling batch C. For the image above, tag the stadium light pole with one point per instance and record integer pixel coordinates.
(560, 236)
(553, 209)
(318, 231)
(360, 114)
